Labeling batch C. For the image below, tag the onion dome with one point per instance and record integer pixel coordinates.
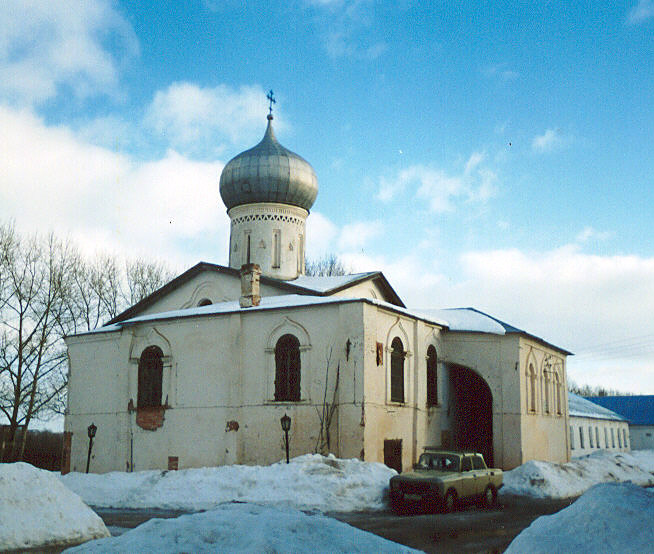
(268, 173)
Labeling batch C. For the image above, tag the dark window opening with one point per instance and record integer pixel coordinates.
(393, 454)
(150, 377)
(204, 302)
(287, 369)
(432, 377)
(397, 370)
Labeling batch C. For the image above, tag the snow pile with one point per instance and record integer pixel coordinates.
(608, 518)
(550, 480)
(37, 511)
(309, 482)
(245, 528)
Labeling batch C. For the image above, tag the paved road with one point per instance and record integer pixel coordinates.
(469, 530)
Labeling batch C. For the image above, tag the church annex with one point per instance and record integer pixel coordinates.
(200, 372)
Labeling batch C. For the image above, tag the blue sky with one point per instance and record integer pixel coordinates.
(496, 156)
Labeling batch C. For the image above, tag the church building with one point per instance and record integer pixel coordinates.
(201, 372)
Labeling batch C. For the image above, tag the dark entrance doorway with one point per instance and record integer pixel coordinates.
(393, 454)
(472, 412)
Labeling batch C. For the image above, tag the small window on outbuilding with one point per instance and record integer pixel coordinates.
(590, 437)
(432, 377)
(597, 437)
(572, 438)
(581, 437)
(397, 370)
(150, 377)
(287, 369)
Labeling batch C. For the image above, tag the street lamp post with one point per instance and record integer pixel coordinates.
(91, 429)
(286, 426)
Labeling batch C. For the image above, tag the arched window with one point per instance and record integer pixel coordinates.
(532, 388)
(204, 302)
(432, 377)
(397, 370)
(287, 369)
(559, 406)
(150, 376)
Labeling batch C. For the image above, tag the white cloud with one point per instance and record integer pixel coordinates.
(190, 116)
(48, 45)
(550, 140)
(54, 180)
(440, 190)
(322, 236)
(588, 233)
(642, 11)
(355, 236)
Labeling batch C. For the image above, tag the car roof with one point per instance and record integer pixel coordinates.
(436, 450)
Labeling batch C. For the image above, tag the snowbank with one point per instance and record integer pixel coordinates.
(37, 511)
(309, 482)
(245, 528)
(608, 518)
(550, 480)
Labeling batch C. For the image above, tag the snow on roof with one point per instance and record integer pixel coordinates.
(267, 303)
(325, 283)
(639, 410)
(580, 407)
(37, 511)
(466, 319)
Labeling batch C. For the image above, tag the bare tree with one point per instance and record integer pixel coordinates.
(47, 291)
(143, 278)
(33, 283)
(329, 265)
(327, 411)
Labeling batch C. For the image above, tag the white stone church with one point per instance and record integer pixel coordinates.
(200, 372)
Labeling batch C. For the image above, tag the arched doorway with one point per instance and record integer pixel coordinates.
(471, 415)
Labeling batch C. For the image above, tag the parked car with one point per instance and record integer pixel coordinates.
(441, 479)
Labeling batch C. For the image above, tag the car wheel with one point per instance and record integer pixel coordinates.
(449, 503)
(490, 496)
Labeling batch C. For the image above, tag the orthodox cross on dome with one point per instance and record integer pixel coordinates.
(271, 97)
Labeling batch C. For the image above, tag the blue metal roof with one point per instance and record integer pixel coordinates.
(639, 410)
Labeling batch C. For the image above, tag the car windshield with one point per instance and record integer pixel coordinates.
(440, 462)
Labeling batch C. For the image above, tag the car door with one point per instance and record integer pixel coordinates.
(467, 477)
(481, 474)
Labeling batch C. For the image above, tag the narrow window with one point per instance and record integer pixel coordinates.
(581, 437)
(248, 248)
(150, 376)
(606, 437)
(624, 438)
(619, 439)
(558, 395)
(277, 248)
(532, 388)
(432, 377)
(287, 369)
(547, 393)
(597, 440)
(590, 437)
(300, 253)
(612, 437)
(397, 370)
(572, 438)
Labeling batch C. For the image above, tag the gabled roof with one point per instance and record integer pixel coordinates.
(580, 407)
(471, 320)
(304, 285)
(639, 410)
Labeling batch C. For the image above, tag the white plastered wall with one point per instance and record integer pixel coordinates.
(588, 435)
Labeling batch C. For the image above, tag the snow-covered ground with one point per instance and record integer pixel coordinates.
(37, 511)
(309, 482)
(549, 480)
(615, 517)
(245, 528)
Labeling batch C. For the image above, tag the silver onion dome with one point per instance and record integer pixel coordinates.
(268, 173)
